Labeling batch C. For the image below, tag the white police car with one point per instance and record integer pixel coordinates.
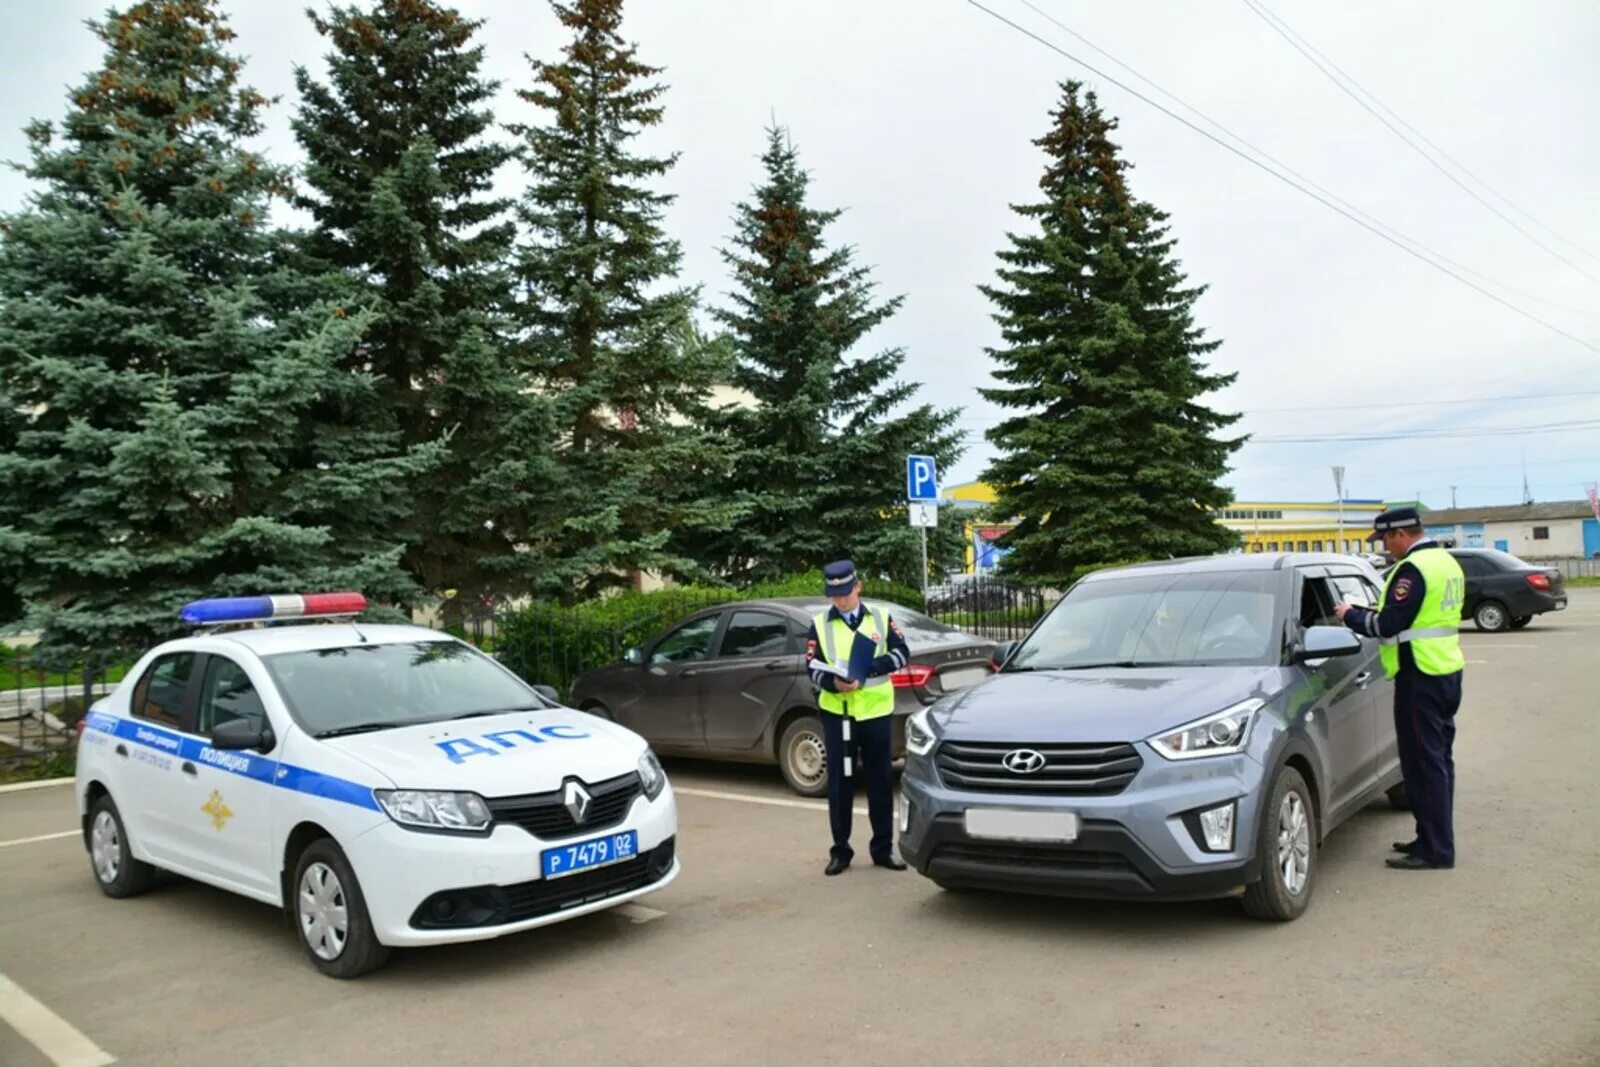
(386, 785)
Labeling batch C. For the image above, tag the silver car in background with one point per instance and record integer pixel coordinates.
(1168, 731)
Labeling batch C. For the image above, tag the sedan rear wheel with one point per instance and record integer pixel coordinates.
(803, 757)
(1491, 617)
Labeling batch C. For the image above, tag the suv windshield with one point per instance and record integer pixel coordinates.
(374, 687)
(1203, 619)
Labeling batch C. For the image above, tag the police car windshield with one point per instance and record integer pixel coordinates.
(1173, 620)
(373, 686)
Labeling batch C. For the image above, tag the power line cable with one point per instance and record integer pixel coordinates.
(1358, 407)
(1287, 33)
(1326, 202)
(1422, 435)
(1264, 154)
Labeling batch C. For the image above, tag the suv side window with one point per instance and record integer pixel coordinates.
(690, 641)
(755, 633)
(225, 695)
(1316, 603)
(159, 695)
(1353, 589)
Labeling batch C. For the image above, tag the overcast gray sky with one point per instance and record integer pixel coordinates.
(917, 116)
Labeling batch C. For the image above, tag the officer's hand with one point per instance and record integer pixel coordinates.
(1341, 609)
(844, 685)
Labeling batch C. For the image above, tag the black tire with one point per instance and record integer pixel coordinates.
(599, 711)
(804, 767)
(1491, 617)
(1397, 797)
(359, 950)
(1520, 621)
(1270, 897)
(116, 872)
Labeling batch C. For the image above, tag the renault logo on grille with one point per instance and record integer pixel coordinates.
(577, 798)
(1023, 761)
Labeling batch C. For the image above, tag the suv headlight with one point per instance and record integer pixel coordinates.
(1219, 734)
(428, 809)
(920, 737)
(651, 776)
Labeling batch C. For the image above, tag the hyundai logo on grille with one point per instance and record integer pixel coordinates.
(1023, 761)
(577, 798)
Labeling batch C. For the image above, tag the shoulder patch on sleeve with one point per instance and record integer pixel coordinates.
(1402, 589)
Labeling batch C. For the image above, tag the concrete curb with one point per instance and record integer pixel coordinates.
(46, 784)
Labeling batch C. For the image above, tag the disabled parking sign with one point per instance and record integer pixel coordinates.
(922, 480)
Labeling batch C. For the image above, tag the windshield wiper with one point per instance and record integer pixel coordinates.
(358, 728)
(495, 711)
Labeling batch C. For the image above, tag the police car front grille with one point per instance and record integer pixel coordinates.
(491, 905)
(546, 815)
(1094, 769)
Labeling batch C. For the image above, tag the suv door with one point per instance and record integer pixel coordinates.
(155, 796)
(758, 663)
(668, 709)
(228, 828)
(1354, 588)
(1339, 689)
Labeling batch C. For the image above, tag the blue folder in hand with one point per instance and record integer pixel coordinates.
(862, 654)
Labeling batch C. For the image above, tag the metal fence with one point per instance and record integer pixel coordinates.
(40, 707)
(989, 607)
(1571, 567)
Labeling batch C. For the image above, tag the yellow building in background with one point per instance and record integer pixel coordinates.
(1268, 526)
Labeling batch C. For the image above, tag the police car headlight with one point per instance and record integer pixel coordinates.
(651, 776)
(920, 737)
(427, 809)
(1219, 734)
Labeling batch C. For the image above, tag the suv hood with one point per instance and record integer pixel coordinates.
(1103, 704)
(498, 755)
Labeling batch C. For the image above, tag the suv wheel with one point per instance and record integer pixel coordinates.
(117, 872)
(803, 758)
(331, 914)
(1287, 846)
(1397, 797)
(1491, 617)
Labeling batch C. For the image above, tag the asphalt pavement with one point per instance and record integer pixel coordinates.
(752, 957)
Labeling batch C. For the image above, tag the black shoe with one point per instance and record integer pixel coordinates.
(1406, 847)
(836, 866)
(1415, 863)
(891, 862)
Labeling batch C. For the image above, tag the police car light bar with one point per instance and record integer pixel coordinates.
(270, 608)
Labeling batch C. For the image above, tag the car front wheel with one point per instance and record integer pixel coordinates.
(331, 914)
(1286, 844)
(1491, 617)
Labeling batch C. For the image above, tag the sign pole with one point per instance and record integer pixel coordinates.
(1338, 485)
(924, 565)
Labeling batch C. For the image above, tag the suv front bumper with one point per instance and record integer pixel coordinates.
(1137, 844)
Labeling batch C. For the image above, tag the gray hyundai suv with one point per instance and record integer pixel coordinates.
(1168, 731)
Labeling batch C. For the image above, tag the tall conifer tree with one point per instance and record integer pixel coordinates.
(1110, 452)
(179, 420)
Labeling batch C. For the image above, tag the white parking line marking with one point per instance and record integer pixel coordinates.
(638, 913)
(48, 1032)
(41, 837)
(48, 783)
(748, 798)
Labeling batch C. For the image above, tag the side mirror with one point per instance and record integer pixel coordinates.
(240, 734)
(548, 692)
(1001, 653)
(634, 655)
(1324, 641)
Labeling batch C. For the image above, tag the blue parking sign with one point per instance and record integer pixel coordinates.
(922, 480)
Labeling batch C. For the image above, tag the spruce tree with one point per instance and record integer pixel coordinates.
(400, 162)
(177, 422)
(819, 461)
(608, 335)
(1110, 453)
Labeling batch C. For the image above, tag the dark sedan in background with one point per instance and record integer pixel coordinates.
(730, 683)
(1504, 592)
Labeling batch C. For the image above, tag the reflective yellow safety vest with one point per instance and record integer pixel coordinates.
(875, 698)
(1434, 636)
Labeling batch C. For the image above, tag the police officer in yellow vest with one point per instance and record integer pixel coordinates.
(1417, 626)
(857, 712)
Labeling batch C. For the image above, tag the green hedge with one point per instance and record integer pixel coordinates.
(552, 644)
